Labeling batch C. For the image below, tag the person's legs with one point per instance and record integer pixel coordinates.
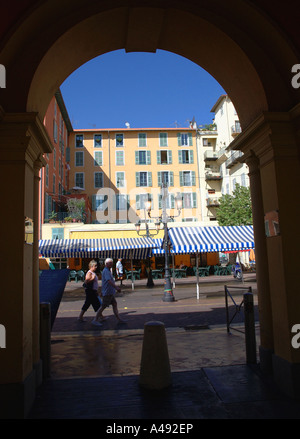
(85, 306)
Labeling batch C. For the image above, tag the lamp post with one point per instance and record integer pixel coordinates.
(164, 218)
(148, 234)
(168, 292)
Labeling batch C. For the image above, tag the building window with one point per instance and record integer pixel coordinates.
(142, 158)
(79, 141)
(79, 179)
(54, 131)
(98, 179)
(78, 158)
(53, 184)
(54, 158)
(164, 157)
(98, 158)
(187, 178)
(119, 139)
(163, 139)
(186, 156)
(143, 179)
(57, 233)
(120, 179)
(99, 202)
(141, 199)
(98, 141)
(121, 202)
(119, 158)
(142, 140)
(185, 139)
(165, 177)
(189, 200)
(170, 201)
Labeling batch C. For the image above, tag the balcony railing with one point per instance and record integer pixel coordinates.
(212, 202)
(209, 175)
(233, 159)
(211, 155)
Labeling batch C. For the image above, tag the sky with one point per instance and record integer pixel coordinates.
(146, 90)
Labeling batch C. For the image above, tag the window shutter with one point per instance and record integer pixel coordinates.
(158, 157)
(193, 178)
(179, 139)
(194, 199)
(159, 179)
(180, 178)
(191, 157)
(190, 139)
(148, 157)
(169, 153)
(137, 157)
(137, 179)
(137, 202)
(94, 202)
(180, 156)
(149, 178)
(159, 201)
(171, 178)
(172, 201)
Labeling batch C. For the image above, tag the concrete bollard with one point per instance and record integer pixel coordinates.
(155, 371)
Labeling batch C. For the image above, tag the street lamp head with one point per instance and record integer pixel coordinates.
(138, 226)
(148, 207)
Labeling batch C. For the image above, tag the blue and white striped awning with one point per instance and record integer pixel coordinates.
(208, 239)
(137, 248)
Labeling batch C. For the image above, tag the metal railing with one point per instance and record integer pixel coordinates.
(246, 306)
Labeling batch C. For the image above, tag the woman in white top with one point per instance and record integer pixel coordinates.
(91, 290)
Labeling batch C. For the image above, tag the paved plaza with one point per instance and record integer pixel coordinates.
(95, 371)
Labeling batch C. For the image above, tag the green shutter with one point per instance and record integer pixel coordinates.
(136, 157)
(137, 179)
(171, 178)
(194, 199)
(180, 156)
(158, 157)
(179, 139)
(172, 201)
(94, 202)
(169, 155)
(193, 178)
(180, 178)
(191, 157)
(190, 139)
(137, 202)
(159, 179)
(148, 157)
(149, 178)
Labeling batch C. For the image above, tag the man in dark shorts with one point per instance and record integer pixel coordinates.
(109, 289)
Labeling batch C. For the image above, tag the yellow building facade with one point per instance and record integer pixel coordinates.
(122, 169)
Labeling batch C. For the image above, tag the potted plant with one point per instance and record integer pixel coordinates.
(52, 217)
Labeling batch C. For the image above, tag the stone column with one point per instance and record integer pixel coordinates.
(273, 140)
(23, 140)
(266, 348)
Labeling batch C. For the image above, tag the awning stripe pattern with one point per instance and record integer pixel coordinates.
(137, 248)
(208, 239)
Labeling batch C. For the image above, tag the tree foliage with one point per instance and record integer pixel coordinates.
(235, 209)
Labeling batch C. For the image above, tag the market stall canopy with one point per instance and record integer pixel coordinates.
(208, 239)
(135, 248)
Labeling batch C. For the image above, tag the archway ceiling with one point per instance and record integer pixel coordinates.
(233, 41)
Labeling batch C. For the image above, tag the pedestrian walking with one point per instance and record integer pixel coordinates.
(119, 270)
(109, 289)
(91, 290)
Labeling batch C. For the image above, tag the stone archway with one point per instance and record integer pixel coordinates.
(245, 52)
